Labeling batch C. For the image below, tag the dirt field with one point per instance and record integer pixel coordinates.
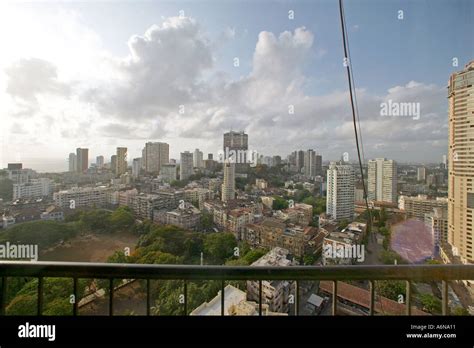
(90, 248)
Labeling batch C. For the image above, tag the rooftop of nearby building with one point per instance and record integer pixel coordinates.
(275, 257)
(232, 296)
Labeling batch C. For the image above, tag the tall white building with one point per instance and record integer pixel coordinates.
(312, 164)
(198, 159)
(228, 186)
(155, 155)
(186, 165)
(340, 191)
(72, 162)
(382, 180)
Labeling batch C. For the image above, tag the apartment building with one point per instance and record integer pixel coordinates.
(82, 197)
(275, 293)
(340, 192)
(420, 205)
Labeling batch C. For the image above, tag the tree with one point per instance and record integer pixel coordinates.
(460, 311)
(6, 188)
(121, 219)
(430, 303)
(391, 289)
(343, 224)
(279, 203)
(219, 246)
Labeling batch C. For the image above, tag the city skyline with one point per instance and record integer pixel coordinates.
(83, 95)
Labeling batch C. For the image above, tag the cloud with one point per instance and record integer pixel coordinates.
(28, 78)
(160, 73)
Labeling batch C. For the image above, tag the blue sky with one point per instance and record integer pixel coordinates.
(408, 60)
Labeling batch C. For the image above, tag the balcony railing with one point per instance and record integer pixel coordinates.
(79, 270)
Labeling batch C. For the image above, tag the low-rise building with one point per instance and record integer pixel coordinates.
(82, 197)
(344, 247)
(235, 303)
(54, 213)
(275, 293)
(187, 217)
(420, 205)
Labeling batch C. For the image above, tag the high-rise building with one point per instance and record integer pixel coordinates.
(121, 163)
(210, 156)
(72, 162)
(113, 163)
(421, 174)
(198, 159)
(236, 144)
(155, 155)
(136, 167)
(312, 164)
(340, 192)
(99, 162)
(228, 186)
(444, 163)
(382, 180)
(461, 162)
(186, 165)
(300, 160)
(82, 160)
(168, 172)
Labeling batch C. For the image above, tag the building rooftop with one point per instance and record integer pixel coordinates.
(232, 296)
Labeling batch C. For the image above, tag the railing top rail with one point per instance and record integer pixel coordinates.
(195, 272)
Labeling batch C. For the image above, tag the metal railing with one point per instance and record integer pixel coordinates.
(111, 271)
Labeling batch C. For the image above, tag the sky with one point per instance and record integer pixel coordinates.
(120, 73)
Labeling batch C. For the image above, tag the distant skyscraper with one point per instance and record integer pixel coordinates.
(72, 162)
(82, 160)
(461, 162)
(99, 161)
(155, 155)
(186, 165)
(300, 160)
(121, 164)
(340, 191)
(113, 163)
(382, 180)
(238, 143)
(168, 172)
(312, 164)
(445, 162)
(210, 156)
(228, 186)
(136, 167)
(198, 159)
(421, 174)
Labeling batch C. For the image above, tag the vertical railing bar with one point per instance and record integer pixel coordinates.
(111, 296)
(40, 297)
(372, 297)
(260, 297)
(3, 296)
(148, 300)
(408, 298)
(76, 300)
(185, 297)
(297, 298)
(222, 297)
(334, 297)
(445, 297)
